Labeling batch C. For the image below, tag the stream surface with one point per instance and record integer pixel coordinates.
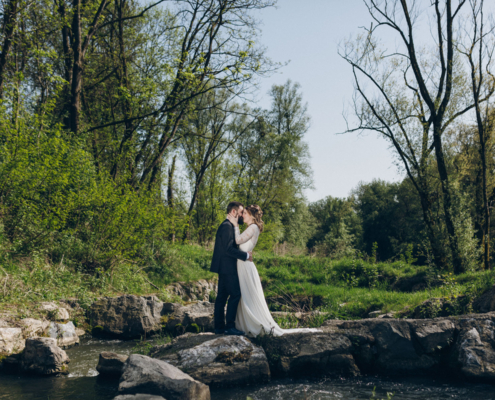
(84, 384)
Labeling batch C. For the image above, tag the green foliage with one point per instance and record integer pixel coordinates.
(469, 248)
(144, 346)
(391, 217)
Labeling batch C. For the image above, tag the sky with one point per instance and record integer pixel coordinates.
(307, 33)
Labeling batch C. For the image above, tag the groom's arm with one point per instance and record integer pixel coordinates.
(232, 250)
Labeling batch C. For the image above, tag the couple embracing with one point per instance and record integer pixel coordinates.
(238, 278)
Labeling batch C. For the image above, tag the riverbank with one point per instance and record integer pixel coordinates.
(343, 289)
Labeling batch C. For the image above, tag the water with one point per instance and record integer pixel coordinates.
(359, 389)
(84, 384)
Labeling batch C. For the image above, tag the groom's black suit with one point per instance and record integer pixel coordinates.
(224, 262)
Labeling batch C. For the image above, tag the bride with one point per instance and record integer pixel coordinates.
(253, 315)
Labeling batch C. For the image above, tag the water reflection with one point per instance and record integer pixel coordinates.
(33, 388)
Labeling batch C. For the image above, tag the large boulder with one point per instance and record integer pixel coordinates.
(201, 290)
(486, 302)
(150, 376)
(310, 353)
(42, 356)
(195, 317)
(216, 360)
(64, 333)
(34, 327)
(126, 316)
(475, 348)
(11, 341)
(392, 346)
(433, 335)
(111, 364)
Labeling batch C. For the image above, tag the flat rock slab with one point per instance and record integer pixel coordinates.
(111, 364)
(216, 360)
(138, 397)
(126, 316)
(310, 353)
(150, 376)
(42, 356)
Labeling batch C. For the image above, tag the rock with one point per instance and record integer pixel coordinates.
(320, 353)
(194, 317)
(486, 302)
(138, 397)
(34, 327)
(387, 315)
(150, 376)
(4, 324)
(126, 316)
(194, 291)
(386, 345)
(81, 332)
(11, 341)
(395, 349)
(433, 335)
(216, 360)
(54, 311)
(42, 356)
(476, 348)
(64, 333)
(374, 314)
(111, 364)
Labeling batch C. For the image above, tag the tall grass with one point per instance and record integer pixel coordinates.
(344, 288)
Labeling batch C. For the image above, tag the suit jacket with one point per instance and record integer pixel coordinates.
(226, 251)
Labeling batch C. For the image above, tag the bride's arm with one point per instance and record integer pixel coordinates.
(246, 235)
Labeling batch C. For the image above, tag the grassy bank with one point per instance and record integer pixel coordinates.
(343, 288)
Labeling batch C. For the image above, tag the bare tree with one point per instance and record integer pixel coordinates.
(479, 52)
(416, 93)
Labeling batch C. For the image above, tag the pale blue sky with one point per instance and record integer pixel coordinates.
(307, 33)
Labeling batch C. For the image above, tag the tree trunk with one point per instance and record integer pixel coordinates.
(170, 186)
(124, 81)
(447, 201)
(77, 69)
(9, 22)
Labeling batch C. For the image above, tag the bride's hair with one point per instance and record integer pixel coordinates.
(256, 213)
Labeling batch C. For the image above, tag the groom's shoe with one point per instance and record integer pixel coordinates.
(219, 331)
(234, 332)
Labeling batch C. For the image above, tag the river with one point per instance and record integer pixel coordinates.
(84, 384)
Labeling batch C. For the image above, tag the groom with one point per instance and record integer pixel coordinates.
(224, 262)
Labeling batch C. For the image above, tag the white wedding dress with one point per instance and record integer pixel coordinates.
(253, 315)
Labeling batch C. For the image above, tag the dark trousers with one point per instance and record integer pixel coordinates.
(228, 288)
